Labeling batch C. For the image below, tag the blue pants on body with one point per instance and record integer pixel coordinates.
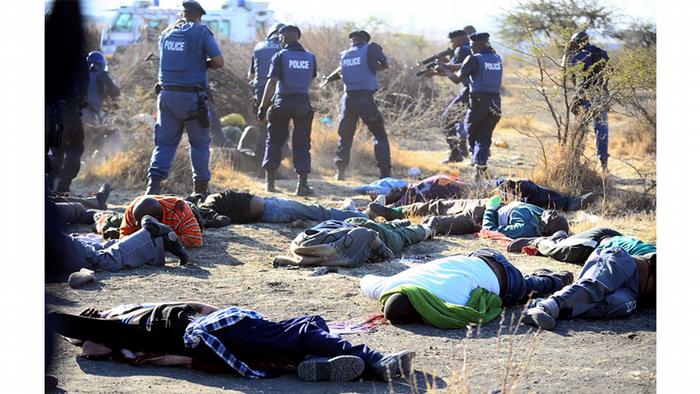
(282, 210)
(519, 288)
(259, 339)
(173, 112)
(361, 105)
(297, 108)
(607, 287)
(482, 117)
(600, 125)
(132, 251)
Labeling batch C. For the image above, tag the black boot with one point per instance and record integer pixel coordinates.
(153, 187)
(384, 172)
(463, 150)
(201, 187)
(170, 241)
(102, 195)
(454, 157)
(303, 188)
(340, 175)
(394, 366)
(271, 181)
(63, 185)
(376, 210)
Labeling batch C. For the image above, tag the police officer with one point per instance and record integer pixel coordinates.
(291, 72)
(453, 116)
(65, 158)
(592, 99)
(257, 74)
(484, 71)
(359, 66)
(182, 101)
(99, 86)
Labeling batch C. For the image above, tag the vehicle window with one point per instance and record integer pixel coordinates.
(225, 29)
(123, 23)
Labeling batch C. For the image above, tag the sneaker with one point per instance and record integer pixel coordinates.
(336, 369)
(374, 210)
(349, 205)
(539, 317)
(518, 244)
(394, 365)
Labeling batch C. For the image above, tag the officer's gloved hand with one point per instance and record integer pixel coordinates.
(262, 112)
(493, 202)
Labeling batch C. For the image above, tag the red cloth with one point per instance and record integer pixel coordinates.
(495, 235)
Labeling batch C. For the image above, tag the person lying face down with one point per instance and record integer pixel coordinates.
(578, 247)
(611, 284)
(352, 242)
(465, 216)
(230, 206)
(169, 210)
(528, 191)
(242, 341)
(456, 291)
(431, 188)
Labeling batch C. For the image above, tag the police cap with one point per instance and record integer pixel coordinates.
(289, 29)
(479, 37)
(274, 29)
(469, 29)
(192, 5)
(456, 33)
(361, 34)
(580, 36)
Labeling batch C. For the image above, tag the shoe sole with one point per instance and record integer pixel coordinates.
(404, 367)
(540, 320)
(336, 369)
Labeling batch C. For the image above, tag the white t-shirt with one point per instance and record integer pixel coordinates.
(451, 279)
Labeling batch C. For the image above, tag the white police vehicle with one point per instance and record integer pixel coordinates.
(236, 21)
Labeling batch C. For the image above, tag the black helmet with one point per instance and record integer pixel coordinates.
(579, 37)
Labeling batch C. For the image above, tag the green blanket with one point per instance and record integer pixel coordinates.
(483, 306)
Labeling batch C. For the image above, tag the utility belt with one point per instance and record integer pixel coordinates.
(476, 98)
(202, 112)
(179, 88)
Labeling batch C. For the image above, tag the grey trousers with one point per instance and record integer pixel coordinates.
(132, 251)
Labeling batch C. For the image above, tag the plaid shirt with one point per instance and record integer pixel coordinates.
(201, 328)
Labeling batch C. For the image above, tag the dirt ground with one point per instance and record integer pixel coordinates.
(234, 268)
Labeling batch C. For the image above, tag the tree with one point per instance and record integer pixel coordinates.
(545, 17)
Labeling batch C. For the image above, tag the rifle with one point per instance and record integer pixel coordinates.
(432, 62)
(436, 57)
(334, 76)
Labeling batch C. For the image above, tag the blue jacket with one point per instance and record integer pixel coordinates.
(183, 54)
(524, 220)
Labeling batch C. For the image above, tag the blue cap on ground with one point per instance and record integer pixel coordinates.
(192, 5)
(479, 37)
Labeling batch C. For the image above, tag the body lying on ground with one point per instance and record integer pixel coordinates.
(528, 191)
(230, 206)
(466, 216)
(457, 291)
(67, 253)
(431, 188)
(352, 242)
(231, 339)
(578, 247)
(611, 284)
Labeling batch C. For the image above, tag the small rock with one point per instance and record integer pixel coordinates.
(318, 271)
(79, 278)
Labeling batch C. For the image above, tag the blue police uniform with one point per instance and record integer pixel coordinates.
(485, 73)
(587, 56)
(294, 68)
(359, 70)
(260, 64)
(453, 115)
(183, 79)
